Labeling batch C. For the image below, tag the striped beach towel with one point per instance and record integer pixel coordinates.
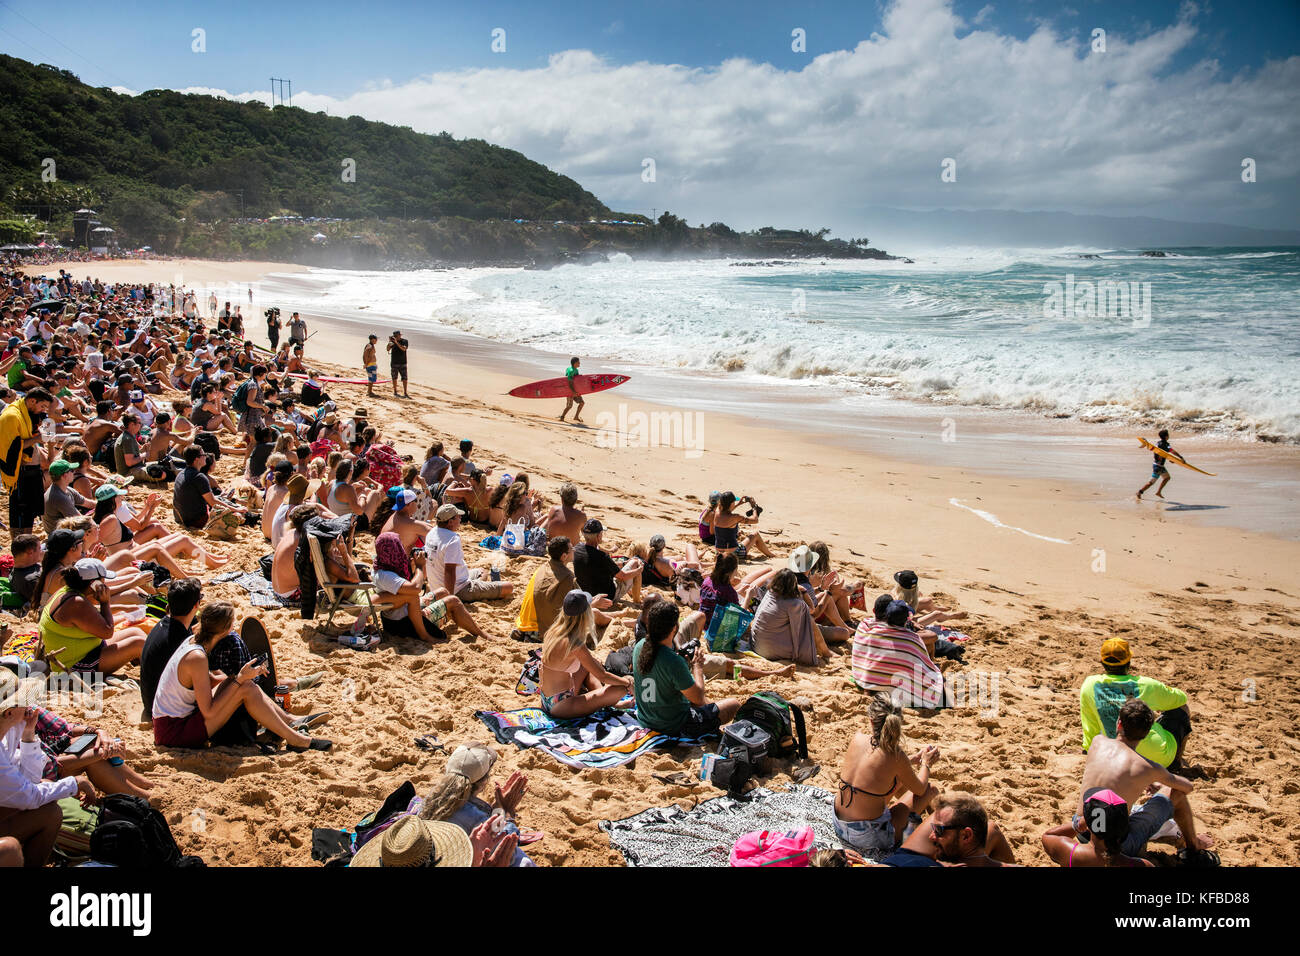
(608, 738)
(894, 659)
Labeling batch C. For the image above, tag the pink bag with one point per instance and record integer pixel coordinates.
(765, 848)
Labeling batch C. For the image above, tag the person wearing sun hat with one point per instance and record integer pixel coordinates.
(61, 499)
(1102, 696)
(455, 798)
(412, 842)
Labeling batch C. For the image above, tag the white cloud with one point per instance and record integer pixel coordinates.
(1039, 123)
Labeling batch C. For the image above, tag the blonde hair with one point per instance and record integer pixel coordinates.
(886, 720)
(908, 595)
(446, 797)
(83, 523)
(574, 631)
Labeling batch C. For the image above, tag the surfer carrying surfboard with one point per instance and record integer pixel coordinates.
(1158, 469)
(571, 373)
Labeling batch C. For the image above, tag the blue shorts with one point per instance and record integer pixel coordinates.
(1145, 821)
(874, 839)
(701, 722)
(372, 373)
(1158, 471)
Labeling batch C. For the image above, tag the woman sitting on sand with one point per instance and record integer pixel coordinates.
(400, 577)
(573, 683)
(77, 626)
(907, 589)
(783, 628)
(71, 541)
(134, 535)
(718, 589)
(657, 569)
(86, 476)
(1105, 821)
(187, 710)
(724, 526)
(456, 797)
(434, 468)
(691, 628)
(844, 594)
(881, 789)
(351, 494)
(210, 415)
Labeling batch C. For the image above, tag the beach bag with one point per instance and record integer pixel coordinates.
(531, 677)
(210, 444)
(769, 848)
(160, 849)
(727, 627)
(515, 537)
(385, 465)
(224, 526)
(782, 720)
(72, 845)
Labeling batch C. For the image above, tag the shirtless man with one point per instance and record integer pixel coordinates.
(1116, 766)
(958, 833)
(566, 519)
(414, 533)
(104, 429)
(370, 361)
(284, 576)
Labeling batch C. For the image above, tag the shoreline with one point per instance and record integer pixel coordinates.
(1209, 609)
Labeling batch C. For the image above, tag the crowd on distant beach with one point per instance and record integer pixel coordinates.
(121, 400)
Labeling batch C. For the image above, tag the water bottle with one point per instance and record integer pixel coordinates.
(498, 565)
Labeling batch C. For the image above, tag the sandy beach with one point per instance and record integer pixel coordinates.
(1046, 569)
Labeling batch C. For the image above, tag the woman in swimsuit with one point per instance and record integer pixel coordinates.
(724, 525)
(875, 770)
(138, 535)
(1104, 824)
(77, 626)
(657, 570)
(574, 684)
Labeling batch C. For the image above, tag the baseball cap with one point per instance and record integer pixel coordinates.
(1115, 651)
(92, 569)
(897, 613)
(60, 466)
(62, 538)
(137, 395)
(403, 498)
(576, 602)
(104, 492)
(283, 468)
(593, 526)
(906, 579)
(472, 761)
(447, 512)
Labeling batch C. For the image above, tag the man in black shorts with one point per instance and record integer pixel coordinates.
(21, 461)
(397, 347)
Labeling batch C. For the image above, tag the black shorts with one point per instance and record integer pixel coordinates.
(27, 500)
(404, 628)
(396, 372)
(702, 722)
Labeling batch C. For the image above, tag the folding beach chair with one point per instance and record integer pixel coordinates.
(337, 595)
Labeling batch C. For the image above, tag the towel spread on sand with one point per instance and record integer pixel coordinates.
(705, 834)
(260, 592)
(608, 738)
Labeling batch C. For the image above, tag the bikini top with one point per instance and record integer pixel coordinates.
(853, 791)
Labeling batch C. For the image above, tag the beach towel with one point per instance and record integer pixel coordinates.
(260, 592)
(608, 738)
(894, 659)
(705, 834)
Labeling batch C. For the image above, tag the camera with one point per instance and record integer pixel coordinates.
(689, 649)
(272, 313)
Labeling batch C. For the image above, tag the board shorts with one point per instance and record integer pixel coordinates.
(701, 722)
(404, 628)
(191, 731)
(372, 374)
(1145, 821)
(397, 371)
(1158, 471)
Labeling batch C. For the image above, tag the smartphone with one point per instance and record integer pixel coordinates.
(259, 660)
(81, 744)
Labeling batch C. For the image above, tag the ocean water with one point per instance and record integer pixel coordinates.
(1207, 338)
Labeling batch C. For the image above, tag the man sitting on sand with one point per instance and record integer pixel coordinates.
(889, 657)
(1103, 695)
(545, 593)
(566, 519)
(958, 833)
(447, 566)
(598, 573)
(403, 523)
(1116, 765)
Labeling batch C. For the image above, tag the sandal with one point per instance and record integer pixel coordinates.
(301, 724)
(1198, 858)
(430, 743)
(317, 743)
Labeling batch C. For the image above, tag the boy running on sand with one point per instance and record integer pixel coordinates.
(571, 373)
(1158, 469)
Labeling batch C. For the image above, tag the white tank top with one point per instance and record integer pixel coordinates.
(172, 698)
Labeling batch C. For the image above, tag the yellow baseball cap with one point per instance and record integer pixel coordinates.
(1115, 652)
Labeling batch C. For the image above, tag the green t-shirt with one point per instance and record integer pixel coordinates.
(660, 704)
(1101, 697)
(16, 372)
(570, 372)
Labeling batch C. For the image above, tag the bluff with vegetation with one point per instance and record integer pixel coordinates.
(193, 175)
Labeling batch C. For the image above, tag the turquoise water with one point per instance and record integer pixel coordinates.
(1209, 341)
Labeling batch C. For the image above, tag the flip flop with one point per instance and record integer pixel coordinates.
(430, 743)
(530, 836)
(317, 743)
(311, 720)
(311, 680)
(801, 774)
(1198, 858)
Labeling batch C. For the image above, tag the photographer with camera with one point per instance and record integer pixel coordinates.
(724, 526)
(273, 325)
(669, 693)
(397, 346)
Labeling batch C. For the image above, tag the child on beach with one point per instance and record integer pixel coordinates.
(1158, 469)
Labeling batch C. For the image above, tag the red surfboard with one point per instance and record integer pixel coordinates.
(559, 387)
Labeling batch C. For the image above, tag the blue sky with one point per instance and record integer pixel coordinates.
(742, 128)
(336, 47)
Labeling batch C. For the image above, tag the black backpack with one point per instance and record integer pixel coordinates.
(782, 720)
(156, 846)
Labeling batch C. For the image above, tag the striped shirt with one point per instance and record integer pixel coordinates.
(894, 659)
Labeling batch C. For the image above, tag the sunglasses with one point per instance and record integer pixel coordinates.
(939, 829)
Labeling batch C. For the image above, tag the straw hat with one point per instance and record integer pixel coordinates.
(19, 692)
(414, 842)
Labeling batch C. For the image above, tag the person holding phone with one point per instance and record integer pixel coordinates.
(192, 703)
